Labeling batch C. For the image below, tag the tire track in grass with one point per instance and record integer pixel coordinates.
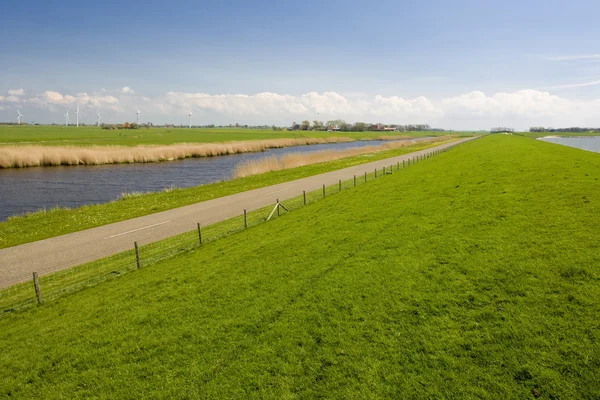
(268, 321)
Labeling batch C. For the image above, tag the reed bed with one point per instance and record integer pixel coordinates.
(294, 160)
(36, 156)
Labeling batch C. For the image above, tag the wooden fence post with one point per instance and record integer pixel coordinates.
(304, 195)
(323, 190)
(365, 176)
(278, 207)
(398, 166)
(246, 220)
(36, 286)
(354, 180)
(340, 189)
(137, 254)
(199, 233)
(384, 170)
(375, 172)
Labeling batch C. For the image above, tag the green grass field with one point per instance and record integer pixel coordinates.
(471, 275)
(60, 221)
(91, 135)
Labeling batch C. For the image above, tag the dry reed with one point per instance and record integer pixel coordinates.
(35, 156)
(294, 160)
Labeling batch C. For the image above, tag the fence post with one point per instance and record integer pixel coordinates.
(365, 176)
(323, 190)
(246, 220)
(36, 286)
(340, 186)
(304, 195)
(391, 169)
(137, 254)
(384, 170)
(278, 207)
(354, 180)
(375, 172)
(199, 233)
(403, 164)
(398, 166)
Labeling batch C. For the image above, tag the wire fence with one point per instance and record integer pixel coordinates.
(49, 287)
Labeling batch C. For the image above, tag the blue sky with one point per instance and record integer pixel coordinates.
(460, 64)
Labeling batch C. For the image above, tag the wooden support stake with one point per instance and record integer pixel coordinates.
(398, 166)
(137, 254)
(384, 170)
(323, 190)
(340, 186)
(354, 180)
(199, 233)
(278, 207)
(36, 286)
(365, 176)
(375, 172)
(403, 165)
(304, 195)
(246, 218)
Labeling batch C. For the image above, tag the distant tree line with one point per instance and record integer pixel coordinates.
(575, 129)
(500, 129)
(125, 125)
(341, 125)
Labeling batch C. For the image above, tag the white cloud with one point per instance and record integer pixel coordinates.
(1, 98)
(419, 107)
(575, 57)
(16, 92)
(13, 99)
(576, 85)
(127, 90)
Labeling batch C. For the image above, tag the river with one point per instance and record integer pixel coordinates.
(590, 143)
(29, 189)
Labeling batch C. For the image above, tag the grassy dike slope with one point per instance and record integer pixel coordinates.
(470, 275)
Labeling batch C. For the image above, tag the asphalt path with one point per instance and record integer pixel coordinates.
(49, 255)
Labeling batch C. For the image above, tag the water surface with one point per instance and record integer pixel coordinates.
(590, 143)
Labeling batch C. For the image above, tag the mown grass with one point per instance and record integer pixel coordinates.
(91, 135)
(471, 275)
(59, 221)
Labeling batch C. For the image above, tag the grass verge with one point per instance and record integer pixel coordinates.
(472, 275)
(58, 221)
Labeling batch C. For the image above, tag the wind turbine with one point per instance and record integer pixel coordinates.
(67, 119)
(77, 114)
(137, 119)
(190, 120)
(19, 115)
(99, 119)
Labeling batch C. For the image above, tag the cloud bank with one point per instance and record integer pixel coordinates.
(473, 110)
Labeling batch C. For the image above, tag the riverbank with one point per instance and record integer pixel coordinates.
(54, 222)
(288, 161)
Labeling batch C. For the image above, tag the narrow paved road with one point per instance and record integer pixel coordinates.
(49, 255)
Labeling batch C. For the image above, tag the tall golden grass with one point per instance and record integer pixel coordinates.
(294, 160)
(35, 156)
